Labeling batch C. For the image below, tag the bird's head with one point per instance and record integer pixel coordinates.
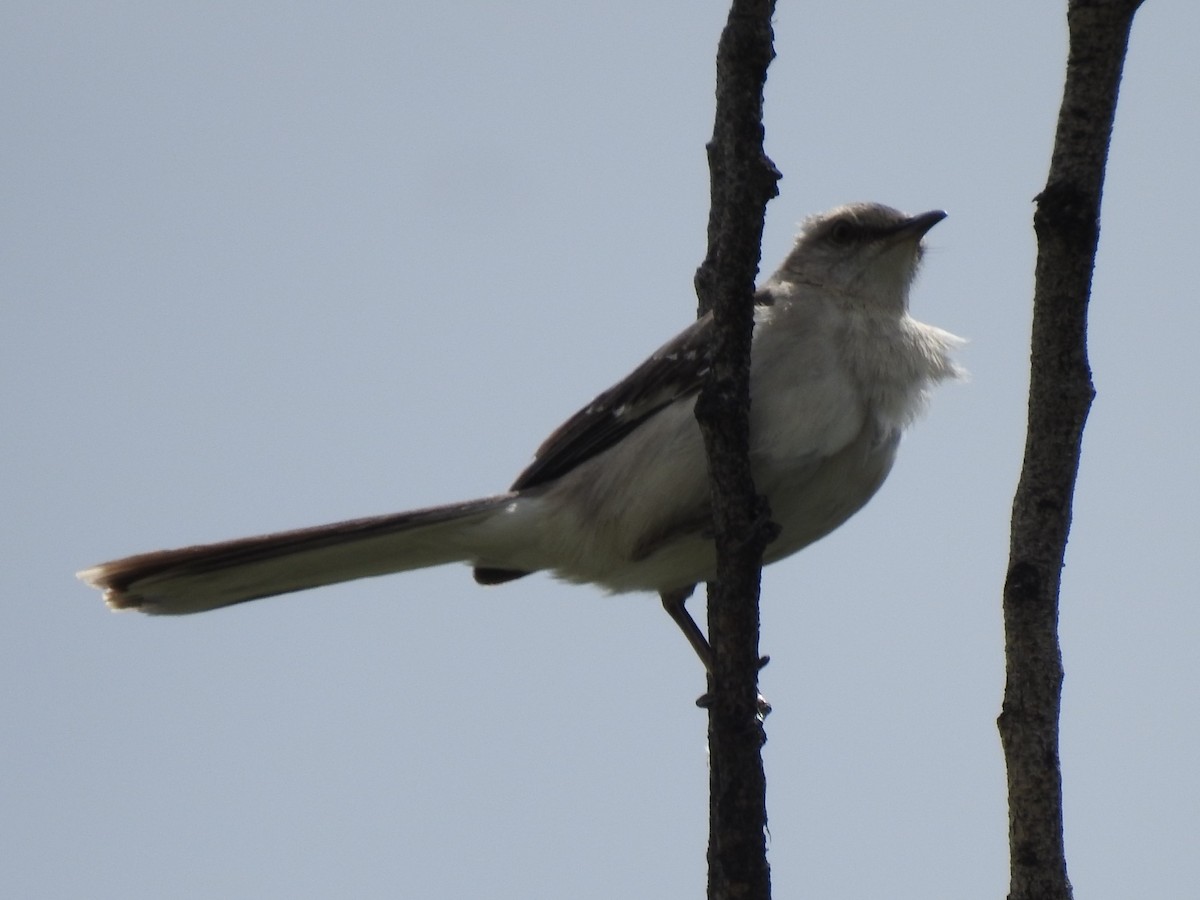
(866, 252)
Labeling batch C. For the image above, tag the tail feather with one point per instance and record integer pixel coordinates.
(209, 576)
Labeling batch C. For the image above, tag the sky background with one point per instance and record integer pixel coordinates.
(269, 265)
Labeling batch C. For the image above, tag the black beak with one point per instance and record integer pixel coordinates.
(918, 225)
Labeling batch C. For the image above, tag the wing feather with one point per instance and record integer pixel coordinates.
(673, 372)
(676, 370)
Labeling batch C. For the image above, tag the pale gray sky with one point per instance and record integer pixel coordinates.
(268, 265)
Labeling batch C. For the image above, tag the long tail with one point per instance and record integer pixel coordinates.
(195, 579)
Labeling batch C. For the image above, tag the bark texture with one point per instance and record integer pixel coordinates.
(743, 180)
(1067, 224)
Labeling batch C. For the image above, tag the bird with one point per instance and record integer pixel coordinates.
(618, 495)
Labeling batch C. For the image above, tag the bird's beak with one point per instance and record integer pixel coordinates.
(915, 227)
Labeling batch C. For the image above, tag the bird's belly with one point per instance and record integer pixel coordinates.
(815, 498)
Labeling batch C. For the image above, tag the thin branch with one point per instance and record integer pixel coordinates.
(1067, 223)
(743, 180)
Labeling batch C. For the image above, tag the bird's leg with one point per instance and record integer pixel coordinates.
(675, 603)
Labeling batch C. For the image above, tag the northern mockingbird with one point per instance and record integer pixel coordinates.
(618, 496)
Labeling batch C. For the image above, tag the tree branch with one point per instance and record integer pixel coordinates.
(1067, 223)
(742, 181)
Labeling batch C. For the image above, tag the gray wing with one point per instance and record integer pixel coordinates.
(675, 371)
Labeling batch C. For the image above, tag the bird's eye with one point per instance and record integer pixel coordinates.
(841, 233)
